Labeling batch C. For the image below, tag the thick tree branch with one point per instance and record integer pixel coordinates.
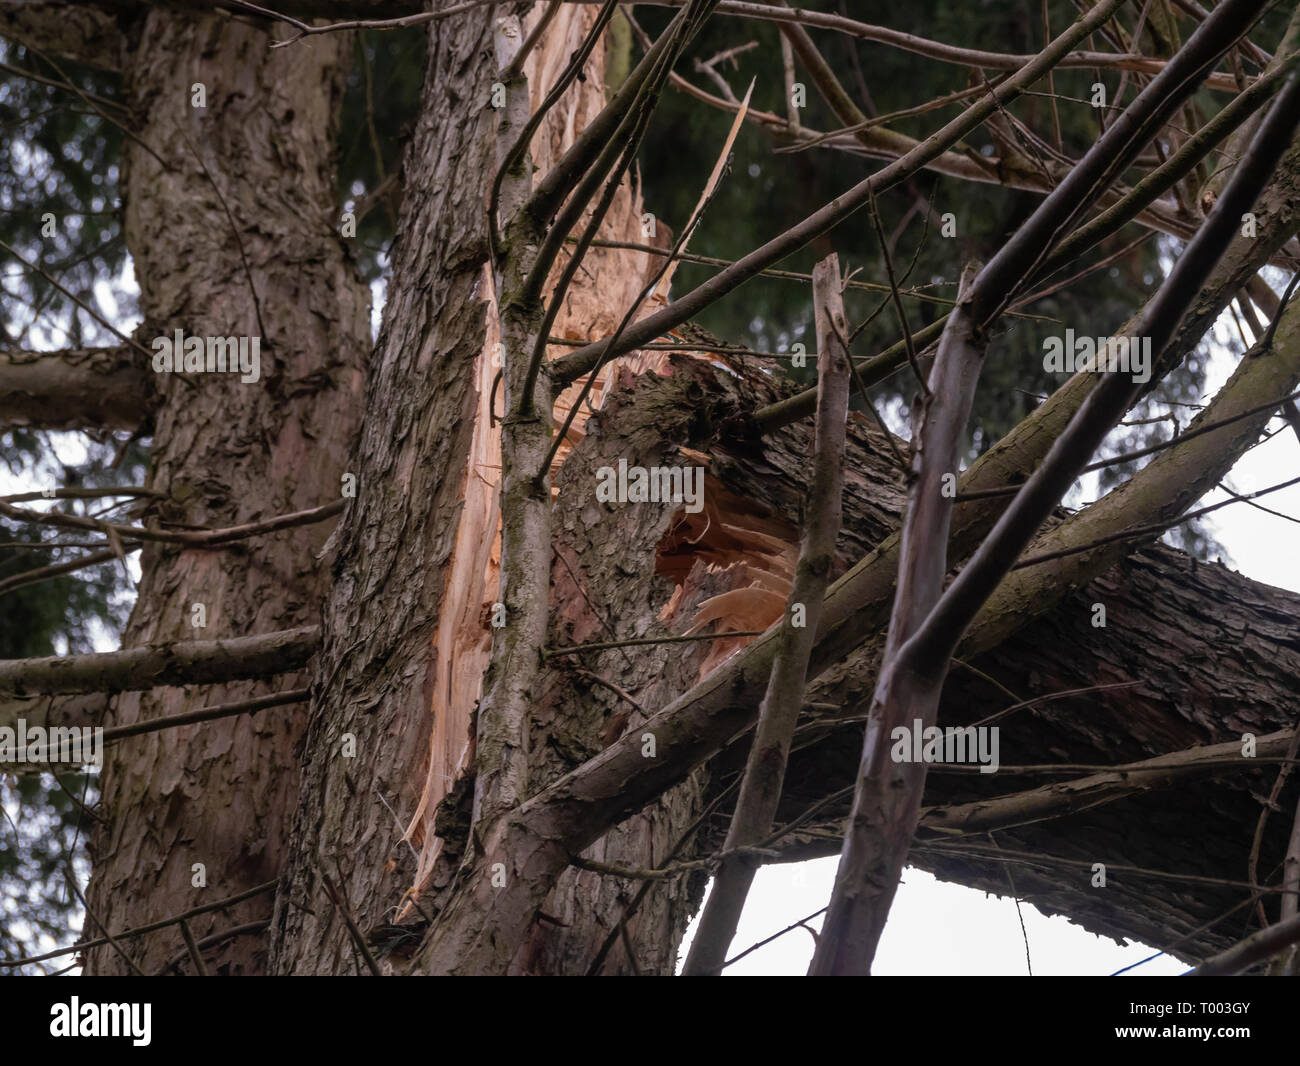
(81, 388)
(888, 794)
(188, 662)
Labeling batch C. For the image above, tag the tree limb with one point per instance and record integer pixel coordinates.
(189, 662)
(888, 794)
(80, 388)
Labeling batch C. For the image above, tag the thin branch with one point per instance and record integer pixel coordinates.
(802, 923)
(207, 714)
(196, 538)
(1062, 798)
(152, 927)
(688, 306)
(306, 29)
(196, 956)
(90, 913)
(212, 941)
(340, 902)
(947, 53)
(1147, 531)
(45, 573)
(908, 344)
(769, 752)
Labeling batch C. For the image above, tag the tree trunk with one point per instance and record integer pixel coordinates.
(232, 228)
(403, 681)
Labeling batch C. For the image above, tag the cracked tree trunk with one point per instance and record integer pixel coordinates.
(404, 680)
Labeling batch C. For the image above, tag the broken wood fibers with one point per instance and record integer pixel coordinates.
(754, 556)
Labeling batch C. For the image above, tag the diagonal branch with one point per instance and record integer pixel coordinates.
(888, 795)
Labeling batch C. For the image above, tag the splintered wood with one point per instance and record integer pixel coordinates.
(729, 541)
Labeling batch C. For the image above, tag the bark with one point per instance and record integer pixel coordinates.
(232, 234)
(66, 30)
(404, 680)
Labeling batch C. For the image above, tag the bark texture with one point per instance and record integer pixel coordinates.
(233, 233)
(421, 541)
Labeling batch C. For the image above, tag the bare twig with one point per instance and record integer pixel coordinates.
(760, 790)
(152, 927)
